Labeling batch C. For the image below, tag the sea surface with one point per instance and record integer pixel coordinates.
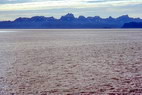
(71, 61)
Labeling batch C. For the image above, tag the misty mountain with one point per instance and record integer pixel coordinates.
(68, 21)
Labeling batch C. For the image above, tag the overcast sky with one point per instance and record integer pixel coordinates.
(11, 9)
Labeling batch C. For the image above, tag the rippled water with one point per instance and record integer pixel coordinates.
(69, 53)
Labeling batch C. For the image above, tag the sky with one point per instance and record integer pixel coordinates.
(12, 9)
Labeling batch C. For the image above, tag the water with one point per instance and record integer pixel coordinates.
(78, 52)
(1, 31)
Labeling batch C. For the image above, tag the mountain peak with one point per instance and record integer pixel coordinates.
(81, 17)
(110, 17)
(21, 19)
(68, 17)
(124, 16)
(97, 17)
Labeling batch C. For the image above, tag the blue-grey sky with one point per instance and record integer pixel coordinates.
(11, 9)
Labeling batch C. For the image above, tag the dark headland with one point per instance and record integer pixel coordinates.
(69, 21)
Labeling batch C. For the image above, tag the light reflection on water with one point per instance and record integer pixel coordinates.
(6, 31)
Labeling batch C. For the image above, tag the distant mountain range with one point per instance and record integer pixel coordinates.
(133, 25)
(69, 21)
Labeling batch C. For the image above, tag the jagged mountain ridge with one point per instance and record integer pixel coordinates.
(68, 21)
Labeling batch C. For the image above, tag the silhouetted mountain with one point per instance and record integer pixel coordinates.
(68, 21)
(133, 25)
(68, 17)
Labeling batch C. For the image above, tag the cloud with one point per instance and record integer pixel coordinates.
(54, 4)
(16, 8)
(22, 1)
